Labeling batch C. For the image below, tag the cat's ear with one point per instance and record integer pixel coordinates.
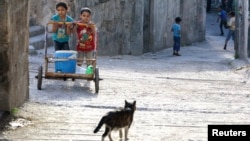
(126, 102)
(134, 102)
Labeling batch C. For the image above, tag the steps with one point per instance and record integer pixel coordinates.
(37, 37)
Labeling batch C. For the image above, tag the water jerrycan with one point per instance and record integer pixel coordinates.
(90, 69)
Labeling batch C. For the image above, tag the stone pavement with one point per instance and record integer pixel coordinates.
(177, 97)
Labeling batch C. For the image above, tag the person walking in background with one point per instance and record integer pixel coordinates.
(61, 30)
(223, 19)
(176, 29)
(231, 31)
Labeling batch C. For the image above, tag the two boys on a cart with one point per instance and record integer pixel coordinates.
(64, 26)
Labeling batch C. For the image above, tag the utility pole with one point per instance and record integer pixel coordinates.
(241, 33)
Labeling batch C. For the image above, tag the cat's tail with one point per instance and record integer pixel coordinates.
(102, 121)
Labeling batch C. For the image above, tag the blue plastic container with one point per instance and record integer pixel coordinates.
(65, 61)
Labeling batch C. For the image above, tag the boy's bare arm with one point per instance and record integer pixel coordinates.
(74, 26)
(69, 29)
(54, 27)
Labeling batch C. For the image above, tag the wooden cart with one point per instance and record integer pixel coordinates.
(47, 74)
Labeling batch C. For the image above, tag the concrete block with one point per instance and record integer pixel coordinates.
(38, 41)
(32, 50)
(36, 30)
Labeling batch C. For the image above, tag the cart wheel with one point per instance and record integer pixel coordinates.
(39, 78)
(96, 79)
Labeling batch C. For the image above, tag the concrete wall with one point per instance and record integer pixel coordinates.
(162, 15)
(42, 10)
(134, 27)
(139, 26)
(119, 25)
(194, 21)
(14, 32)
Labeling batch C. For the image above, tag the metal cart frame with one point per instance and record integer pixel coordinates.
(64, 76)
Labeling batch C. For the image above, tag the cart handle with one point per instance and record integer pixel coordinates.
(67, 23)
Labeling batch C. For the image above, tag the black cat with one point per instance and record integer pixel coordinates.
(116, 120)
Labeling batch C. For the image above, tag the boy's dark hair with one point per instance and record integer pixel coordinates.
(62, 4)
(232, 13)
(178, 20)
(86, 9)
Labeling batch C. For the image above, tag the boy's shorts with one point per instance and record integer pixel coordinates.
(61, 46)
(85, 55)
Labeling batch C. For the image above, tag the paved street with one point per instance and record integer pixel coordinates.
(177, 97)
